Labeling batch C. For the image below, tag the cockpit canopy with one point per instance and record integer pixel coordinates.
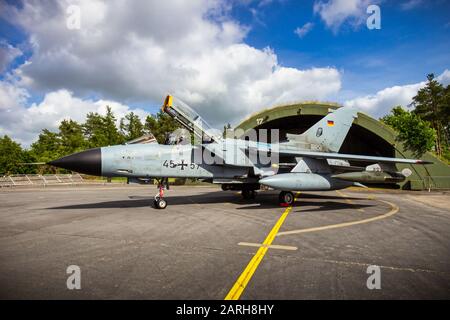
(190, 120)
(145, 139)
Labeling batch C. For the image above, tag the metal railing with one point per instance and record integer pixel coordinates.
(40, 180)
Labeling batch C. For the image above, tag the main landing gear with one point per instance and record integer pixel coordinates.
(159, 201)
(286, 198)
(248, 194)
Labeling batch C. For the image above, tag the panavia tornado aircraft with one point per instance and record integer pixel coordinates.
(237, 164)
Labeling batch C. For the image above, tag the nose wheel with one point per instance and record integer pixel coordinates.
(286, 198)
(159, 201)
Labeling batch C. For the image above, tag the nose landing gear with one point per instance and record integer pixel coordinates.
(159, 201)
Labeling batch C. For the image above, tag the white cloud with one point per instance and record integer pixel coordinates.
(384, 100)
(11, 97)
(7, 55)
(444, 78)
(305, 29)
(410, 4)
(141, 50)
(24, 123)
(263, 3)
(335, 12)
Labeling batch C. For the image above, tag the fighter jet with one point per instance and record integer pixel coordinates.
(240, 164)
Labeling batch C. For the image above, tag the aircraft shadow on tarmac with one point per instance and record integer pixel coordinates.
(264, 200)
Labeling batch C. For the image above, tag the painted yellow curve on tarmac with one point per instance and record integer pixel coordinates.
(394, 210)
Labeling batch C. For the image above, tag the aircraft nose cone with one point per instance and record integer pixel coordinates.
(88, 162)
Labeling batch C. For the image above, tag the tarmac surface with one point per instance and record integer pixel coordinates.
(207, 239)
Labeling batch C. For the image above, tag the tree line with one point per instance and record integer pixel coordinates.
(97, 131)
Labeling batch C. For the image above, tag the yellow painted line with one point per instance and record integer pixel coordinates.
(245, 277)
(394, 210)
(347, 200)
(273, 246)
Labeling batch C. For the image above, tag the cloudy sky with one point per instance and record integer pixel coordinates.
(226, 59)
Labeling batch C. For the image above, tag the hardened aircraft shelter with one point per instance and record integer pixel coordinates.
(367, 136)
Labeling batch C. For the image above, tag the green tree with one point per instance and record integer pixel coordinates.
(113, 135)
(160, 125)
(430, 105)
(12, 156)
(131, 126)
(446, 114)
(71, 137)
(415, 133)
(48, 147)
(93, 130)
(101, 130)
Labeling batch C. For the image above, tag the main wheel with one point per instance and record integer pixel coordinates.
(161, 204)
(286, 197)
(246, 194)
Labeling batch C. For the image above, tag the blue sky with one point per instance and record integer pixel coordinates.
(213, 54)
(410, 44)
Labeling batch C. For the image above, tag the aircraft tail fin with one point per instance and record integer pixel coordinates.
(331, 130)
